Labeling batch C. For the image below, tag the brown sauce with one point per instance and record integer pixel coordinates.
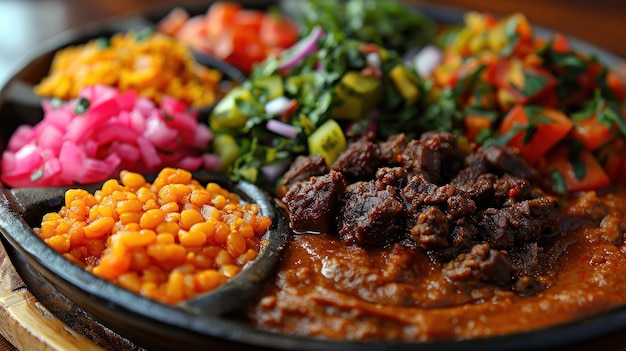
(328, 288)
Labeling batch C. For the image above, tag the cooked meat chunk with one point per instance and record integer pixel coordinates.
(435, 155)
(460, 206)
(313, 203)
(303, 168)
(394, 176)
(462, 236)
(415, 192)
(361, 159)
(391, 149)
(505, 160)
(511, 189)
(477, 183)
(481, 265)
(463, 207)
(523, 222)
(431, 229)
(370, 214)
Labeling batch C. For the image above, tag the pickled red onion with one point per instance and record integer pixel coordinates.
(117, 131)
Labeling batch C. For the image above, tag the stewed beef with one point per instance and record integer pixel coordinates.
(478, 212)
(435, 156)
(392, 148)
(360, 160)
(431, 228)
(394, 176)
(480, 264)
(313, 203)
(507, 160)
(521, 223)
(303, 168)
(370, 214)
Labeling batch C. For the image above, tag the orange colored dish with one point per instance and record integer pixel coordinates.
(168, 240)
(152, 64)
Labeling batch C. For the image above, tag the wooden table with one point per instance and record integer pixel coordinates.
(26, 23)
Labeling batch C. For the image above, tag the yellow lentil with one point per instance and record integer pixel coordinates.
(169, 240)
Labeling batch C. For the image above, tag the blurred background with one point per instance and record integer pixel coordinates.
(26, 23)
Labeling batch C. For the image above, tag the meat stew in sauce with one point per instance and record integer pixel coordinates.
(436, 239)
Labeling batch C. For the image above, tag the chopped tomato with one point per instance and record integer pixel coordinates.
(580, 172)
(173, 22)
(278, 31)
(219, 16)
(524, 83)
(240, 36)
(249, 19)
(547, 99)
(616, 84)
(536, 132)
(592, 132)
(615, 167)
(613, 159)
(560, 43)
(247, 49)
(193, 33)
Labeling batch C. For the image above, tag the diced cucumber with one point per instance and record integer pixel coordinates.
(226, 114)
(225, 146)
(327, 140)
(271, 85)
(357, 95)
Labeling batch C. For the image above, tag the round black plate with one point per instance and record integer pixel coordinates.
(78, 297)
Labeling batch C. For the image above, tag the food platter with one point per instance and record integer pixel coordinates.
(69, 292)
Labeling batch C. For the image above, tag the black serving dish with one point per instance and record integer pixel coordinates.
(141, 319)
(81, 299)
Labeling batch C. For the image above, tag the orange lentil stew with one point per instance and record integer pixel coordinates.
(151, 63)
(168, 240)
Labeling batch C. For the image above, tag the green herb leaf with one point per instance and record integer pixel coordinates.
(573, 157)
(533, 84)
(558, 181)
(144, 34)
(534, 119)
(384, 22)
(468, 82)
(166, 116)
(505, 139)
(510, 31)
(102, 43)
(81, 105)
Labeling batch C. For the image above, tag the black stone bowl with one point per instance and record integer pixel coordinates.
(132, 315)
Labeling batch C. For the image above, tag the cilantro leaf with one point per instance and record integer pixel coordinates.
(533, 84)
(81, 105)
(580, 170)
